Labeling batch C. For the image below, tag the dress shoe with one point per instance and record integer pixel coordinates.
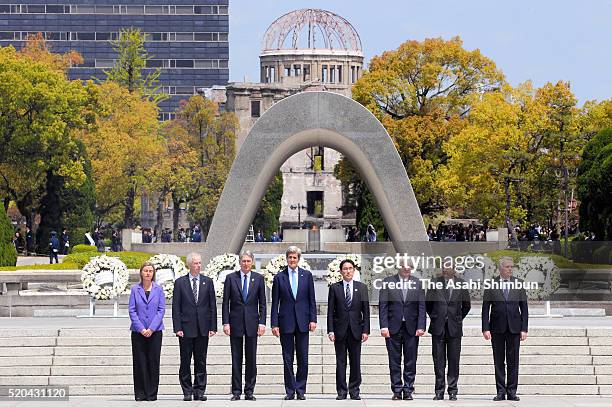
(355, 397)
(235, 397)
(452, 397)
(513, 397)
(250, 397)
(200, 397)
(499, 397)
(439, 397)
(289, 396)
(407, 396)
(187, 397)
(300, 396)
(341, 397)
(396, 396)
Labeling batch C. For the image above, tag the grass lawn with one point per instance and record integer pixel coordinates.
(76, 261)
(559, 261)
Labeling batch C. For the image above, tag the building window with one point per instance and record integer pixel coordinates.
(314, 203)
(332, 74)
(339, 73)
(353, 78)
(297, 71)
(288, 71)
(317, 158)
(255, 108)
(306, 73)
(324, 74)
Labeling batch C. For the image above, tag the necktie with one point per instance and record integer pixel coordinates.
(294, 283)
(244, 287)
(506, 289)
(195, 289)
(347, 296)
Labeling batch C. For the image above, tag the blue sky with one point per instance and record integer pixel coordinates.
(538, 40)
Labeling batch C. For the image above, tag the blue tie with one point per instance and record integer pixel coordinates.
(294, 283)
(244, 287)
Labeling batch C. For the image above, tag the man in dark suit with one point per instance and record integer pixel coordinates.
(505, 322)
(402, 322)
(447, 306)
(244, 319)
(294, 313)
(348, 325)
(194, 319)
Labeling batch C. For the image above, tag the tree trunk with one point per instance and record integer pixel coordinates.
(128, 215)
(159, 223)
(50, 212)
(176, 211)
(507, 215)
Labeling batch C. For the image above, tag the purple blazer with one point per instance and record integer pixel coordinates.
(147, 314)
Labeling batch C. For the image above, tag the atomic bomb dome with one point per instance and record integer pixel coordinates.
(311, 45)
(312, 29)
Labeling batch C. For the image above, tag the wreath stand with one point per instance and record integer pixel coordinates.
(92, 309)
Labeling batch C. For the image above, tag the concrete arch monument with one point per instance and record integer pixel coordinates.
(315, 119)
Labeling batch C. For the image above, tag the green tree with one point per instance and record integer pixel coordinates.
(40, 109)
(122, 144)
(213, 135)
(594, 181)
(130, 69)
(268, 212)
(8, 254)
(421, 92)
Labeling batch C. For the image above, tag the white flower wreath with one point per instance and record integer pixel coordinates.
(542, 270)
(333, 268)
(219, 267)
(105, 277)
(278, 264)
(168, 268)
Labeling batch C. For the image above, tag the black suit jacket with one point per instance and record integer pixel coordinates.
(393, 308)
(440, 308)
(244, 318)
(501, 316)
(342, 320)
(187, 316)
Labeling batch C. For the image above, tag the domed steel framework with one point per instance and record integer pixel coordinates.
(288, 32)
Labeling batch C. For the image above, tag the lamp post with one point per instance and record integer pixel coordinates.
(299, 208)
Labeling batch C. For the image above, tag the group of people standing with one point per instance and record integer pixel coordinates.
(403, 305)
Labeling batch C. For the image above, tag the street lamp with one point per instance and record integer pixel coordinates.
(299, 208)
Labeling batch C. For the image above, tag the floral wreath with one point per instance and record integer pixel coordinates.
(219, 267)
(333, 268)
(278, 264)
(105, 277)
(168, 268)
(541, 270)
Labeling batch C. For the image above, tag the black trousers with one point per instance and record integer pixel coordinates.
(295, 342)
(446, 349)
(195, 348)
(352, 346)
(145, 364)
(407, 343)
(506, 349)
(53, 255)
(249, 344)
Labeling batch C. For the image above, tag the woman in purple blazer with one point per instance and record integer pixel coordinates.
(147, 307)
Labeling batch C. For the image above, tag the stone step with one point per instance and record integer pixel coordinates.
(272, 369)
(327, 349)
(264, 379)
(313, 389)
(171, 340)
(27, 341)
(126, 360)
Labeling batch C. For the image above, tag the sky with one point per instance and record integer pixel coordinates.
(538, 40)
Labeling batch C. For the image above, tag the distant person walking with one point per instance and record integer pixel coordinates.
(54, 247)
